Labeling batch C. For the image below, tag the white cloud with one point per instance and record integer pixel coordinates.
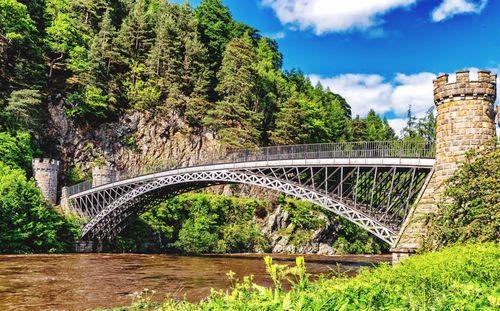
(449, 8)
(364, 92)
(398, 125)
(275, 35)
(334, 15)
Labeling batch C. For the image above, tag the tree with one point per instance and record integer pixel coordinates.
(103, 50)
(236, 117)
(23, 108)
(16, 150)
(91, 105)
(26, 222)
(20, 47)
(177, 58)
(216, 28)
(134, 37)
(63, 33)
(270, 78)
(420, 129)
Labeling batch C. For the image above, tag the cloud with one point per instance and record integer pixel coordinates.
(398, 125)
(275, 35)
(449, 8)
(370, 91)
(334, 15)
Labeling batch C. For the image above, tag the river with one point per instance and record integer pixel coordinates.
(86, 281)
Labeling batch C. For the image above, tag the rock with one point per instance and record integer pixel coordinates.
(325, 249)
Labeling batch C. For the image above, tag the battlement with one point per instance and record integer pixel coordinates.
(465, 86)
(45, 163)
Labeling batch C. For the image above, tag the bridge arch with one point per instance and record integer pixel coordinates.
(371, 184)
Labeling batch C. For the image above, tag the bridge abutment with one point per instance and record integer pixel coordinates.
(465, 120)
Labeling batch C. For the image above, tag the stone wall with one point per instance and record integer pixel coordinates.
(465, 121)
(102, 175)
(45, 172)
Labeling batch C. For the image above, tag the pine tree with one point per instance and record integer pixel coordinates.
(103, 51)
(216, 29)
(270, 78)
(134, 37)
(236, 117)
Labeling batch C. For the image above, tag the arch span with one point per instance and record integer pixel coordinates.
(375, 195)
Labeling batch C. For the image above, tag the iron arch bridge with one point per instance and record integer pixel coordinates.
(372, 184)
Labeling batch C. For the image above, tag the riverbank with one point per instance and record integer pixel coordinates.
(456, 278)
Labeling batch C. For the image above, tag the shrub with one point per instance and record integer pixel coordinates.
(27, 223)
(473, 213)
(458, 278)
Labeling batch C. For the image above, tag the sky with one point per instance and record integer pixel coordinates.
(379, 54)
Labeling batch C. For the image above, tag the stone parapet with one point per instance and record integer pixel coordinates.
(465, 88)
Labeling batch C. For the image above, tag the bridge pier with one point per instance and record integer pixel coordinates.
(465, 121)
(95, 246)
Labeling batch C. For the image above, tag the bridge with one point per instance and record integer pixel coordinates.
(385, 187)
(372, 184)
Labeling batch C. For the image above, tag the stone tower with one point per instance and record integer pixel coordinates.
(103, 175)
(465, 120)
(45, 172)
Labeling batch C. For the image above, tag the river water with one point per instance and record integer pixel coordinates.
(86, 281)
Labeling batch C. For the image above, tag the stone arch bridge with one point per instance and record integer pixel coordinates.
(372, 184)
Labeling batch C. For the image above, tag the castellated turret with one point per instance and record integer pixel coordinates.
(465, 121)
(45, 172)
(465, 118)
(102, 175)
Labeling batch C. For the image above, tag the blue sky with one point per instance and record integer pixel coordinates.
(379, 54)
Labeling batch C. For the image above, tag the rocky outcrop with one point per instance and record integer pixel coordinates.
(278, 229)
(142, 140)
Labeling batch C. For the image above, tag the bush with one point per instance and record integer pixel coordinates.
(27, 223)
(473, 213)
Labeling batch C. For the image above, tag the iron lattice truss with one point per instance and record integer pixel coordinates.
(375, 197)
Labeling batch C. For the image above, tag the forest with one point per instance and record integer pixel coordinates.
(104, 58)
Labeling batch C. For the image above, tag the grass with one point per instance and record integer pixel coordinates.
(457, 278)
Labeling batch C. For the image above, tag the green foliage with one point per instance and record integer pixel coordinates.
(352, 239)
(303, 214)
(372, 128)
(473, 212)
(23, 110)
(89, 105)
(74, 175)
(236, 117)
(420, 129)
(198, 223)
(457, 278)
(27, 224)
(16, 150)
(20, 47)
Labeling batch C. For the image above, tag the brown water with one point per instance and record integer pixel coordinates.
(85, 281)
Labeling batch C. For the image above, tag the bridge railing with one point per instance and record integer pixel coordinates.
(379, 149)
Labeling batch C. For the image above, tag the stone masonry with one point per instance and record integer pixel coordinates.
(465, 121)
(45, 172)
(104, 175)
